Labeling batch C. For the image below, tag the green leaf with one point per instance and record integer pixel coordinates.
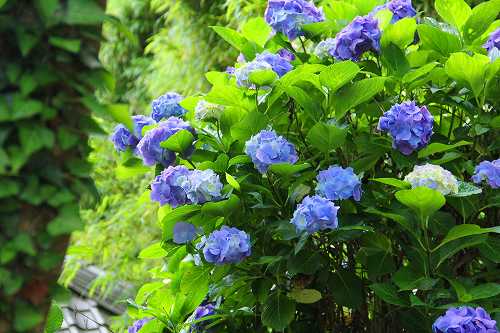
(304, 262)
(54, 319)
(26, 317)
(387, 292)
(395, 60)
(68, 44)
(221, 208)
(181, 213)
(120, 113)
(233, 182)
(179, 142)
(84, 12)
(287, 169)
(355, 94)
(468, 70)
(482, 16)
(347, 289)
(154, 251)
(194, 286)
(67, 221)
(466, 189)
(401, 33)
(424, 201)
(464, 230)
(407, 279)
(251, 124)
(34, 137)
(393, 182)
(454, 12)
(257, 30)
(326, 137)
(491, 249)
(231, 36)
(305, 296)
(482, 291)
(337, 75)
(240, 159)
(9, 187)
(418, 72)
(437, 147)
(384, 18)
(440, 41)
(278, 312)
(263, 77)
(366, 6)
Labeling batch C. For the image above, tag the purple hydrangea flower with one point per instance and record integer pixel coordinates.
(136, 327)
(492, 45)
(315, 213)
(167, 186)
(123, 139)
(465, 320)
(230, 70)
(167, 106)
(226, 246)
(149, 147)
(337, 183)
(409, 125)
(399, 8)
(267, 148)
(288, 16)
(201, 312)
(280, 65)
(202, 186)
(140, 122)
(243, 72)
(287, 55)
(489, 171)
(360, 36)
(184, 232)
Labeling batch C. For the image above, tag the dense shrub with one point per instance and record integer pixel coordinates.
(348, 201)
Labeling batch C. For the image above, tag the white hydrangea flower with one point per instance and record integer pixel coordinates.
(434, 177)
(205, 110)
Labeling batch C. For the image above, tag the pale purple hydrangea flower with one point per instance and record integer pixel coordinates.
(489, 171)
(136, 327)
(263, 61)
(434, 177)
(267, 148)
(122, 138)
(337, 183)
(167, 106)
(288, 16)
(399, 8)
(184, 232)
(280, 65)
(140, 122)
(360, 36)
(201, 312)
(325, 48)
(409, 125)
(243, 72)
(205, 110)
(167, 186)
(492, 45)
(226, 246)
(202, 186)
(149, 147)
(465, 319)
(315, 213)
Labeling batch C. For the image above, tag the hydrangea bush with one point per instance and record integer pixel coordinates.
(342, 176)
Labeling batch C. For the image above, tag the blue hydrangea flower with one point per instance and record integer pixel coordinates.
(434, 177)
(360, 36)
(465, 320)
(492, 45)
(201, 312)
(266, 148)
(226, 246)
(149, 146)
(167, 186)
(337, 183)
(325, 48)
(140, 122)
(288, 16)
(123, 139)
(315, 213)
(167, 106)
(184, 232)
(399, 8)
(202, 186)
(489, 171)
(409, 125)
(243, 72)
(287, 55)
(280, 65)
(136, 327)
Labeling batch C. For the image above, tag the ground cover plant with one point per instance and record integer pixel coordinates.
(342, 176)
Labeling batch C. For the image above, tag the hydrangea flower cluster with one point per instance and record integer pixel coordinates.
(315, 213)
(167, 106)
(288, 16)
(337, 183)
(279, 64)
(136, 327)
(201, 312)
(205, 110)
(325, 48)
(122, 138)
(287, 55)
(265, 60)
(178, 186)
(492, 45)
(399, 8)
(465, 320)
(434, 177)
(409, 125)
(360, 36)
(267, 148)
(149, 147)
(184, 232)
(489, 171)
(226, 246)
